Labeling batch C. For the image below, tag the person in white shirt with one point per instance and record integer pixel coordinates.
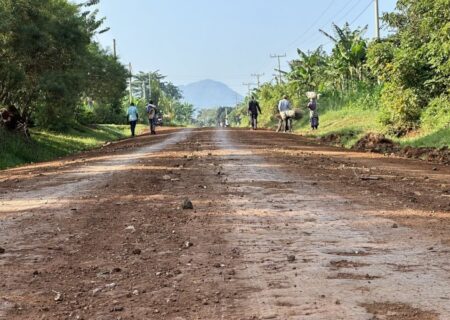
(283, 106)
(132, 114)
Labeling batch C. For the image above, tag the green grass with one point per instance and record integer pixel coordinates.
(427, 138)
(350, 124)
(359, 117)
(46, 145)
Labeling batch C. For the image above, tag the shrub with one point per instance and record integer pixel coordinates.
(400, 109)
(437, 114)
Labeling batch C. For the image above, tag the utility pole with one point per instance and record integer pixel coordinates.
(149, 86)
(257, 76)
(131, 79)
(114, 49)
(377, 20)
(278, 56)
(144, 93)
(248, 84)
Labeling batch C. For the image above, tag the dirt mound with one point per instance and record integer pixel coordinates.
(376, 142)
(430, 154)
(331, 138)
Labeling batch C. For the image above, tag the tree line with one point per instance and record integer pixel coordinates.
(405, 76)
(54, 75)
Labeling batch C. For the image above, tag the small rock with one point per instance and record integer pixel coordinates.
(117, 309)
(337, 302)
(291, 258)
(2, 250)
(110, 285)
(116, 269)
(395, 226)
(187, 205)
(166, 177)
(435, 168)
(58, 297)
(96, 290)
(187, 244)
(137, 251)
(216, 265)
(232, 272)
(135, 292)
(130, 228)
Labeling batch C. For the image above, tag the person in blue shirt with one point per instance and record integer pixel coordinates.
(132, 115)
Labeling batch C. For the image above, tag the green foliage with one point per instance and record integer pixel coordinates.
(183, 113)
(401, 109)
(47, 145)
(379, 59)
(207, 118)
(148, 86)
(416, 64)
(402, 81)
(48, 61)
(437, 114)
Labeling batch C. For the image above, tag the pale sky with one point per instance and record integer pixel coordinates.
(225, 40)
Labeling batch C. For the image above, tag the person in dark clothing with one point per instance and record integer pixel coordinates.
(253, 111)
(151, 113)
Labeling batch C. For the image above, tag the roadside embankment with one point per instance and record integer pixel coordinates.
(47, 145)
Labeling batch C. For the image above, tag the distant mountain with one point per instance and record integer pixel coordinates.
(209, 93)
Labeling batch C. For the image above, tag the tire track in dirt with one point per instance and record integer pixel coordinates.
(346, 258)
(40, 211)
(80, 180)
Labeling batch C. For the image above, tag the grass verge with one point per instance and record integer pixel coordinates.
(46, 145)
(354, 120)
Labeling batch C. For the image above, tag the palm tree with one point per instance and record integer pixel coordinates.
(349, 53)
(306, 71)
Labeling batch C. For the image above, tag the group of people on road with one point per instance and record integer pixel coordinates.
(285, 113)
(133, 116)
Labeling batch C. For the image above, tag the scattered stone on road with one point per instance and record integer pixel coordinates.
(187, 204)
(291, 258)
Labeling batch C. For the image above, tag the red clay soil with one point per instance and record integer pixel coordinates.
(281, 228)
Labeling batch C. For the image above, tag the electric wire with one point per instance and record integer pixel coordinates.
(362, 12)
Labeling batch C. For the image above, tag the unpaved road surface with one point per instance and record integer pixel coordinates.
(282, 228)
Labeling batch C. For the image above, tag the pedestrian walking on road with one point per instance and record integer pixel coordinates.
(253, 111)
(133, 117)
(283, 106)
(313, 113)
(151, 113)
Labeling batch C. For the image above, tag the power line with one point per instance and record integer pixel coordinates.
(249, 85)
(354, 20)
(362, 12)
(257, 76)
(278, 56)
(337, 14)
(309, 36)
(312, 25)
(348, 12)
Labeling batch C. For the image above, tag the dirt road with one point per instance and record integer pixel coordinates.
(282, 228)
